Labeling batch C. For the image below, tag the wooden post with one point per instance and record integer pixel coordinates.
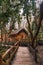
(9, 54)
(1, 61)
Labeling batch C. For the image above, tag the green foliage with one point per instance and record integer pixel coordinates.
(29, 6)
(11, 11)
(5, 13)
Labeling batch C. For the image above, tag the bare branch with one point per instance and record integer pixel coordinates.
(40, 20)
(38, 28)
(29, 28)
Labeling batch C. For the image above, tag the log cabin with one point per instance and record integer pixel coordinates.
(19, 35)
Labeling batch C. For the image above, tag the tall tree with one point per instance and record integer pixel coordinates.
(4, 14)
(28, 7)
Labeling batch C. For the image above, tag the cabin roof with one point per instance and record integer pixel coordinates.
(15, 32)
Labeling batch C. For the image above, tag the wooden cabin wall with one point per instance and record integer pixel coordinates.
(19, 37)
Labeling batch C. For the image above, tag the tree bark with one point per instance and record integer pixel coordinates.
(29, 28)
(36, 34)
(1, 35)
(38, 28)
(12, 24)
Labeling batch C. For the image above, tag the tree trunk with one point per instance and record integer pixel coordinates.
(40, 20)
(1, 35)
(36, 34)
(19, 25)
(12, 24)
(5, 38)
(29, 28)
(38, 28)
(4, 32)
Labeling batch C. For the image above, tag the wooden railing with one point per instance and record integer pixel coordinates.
(8, 55)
